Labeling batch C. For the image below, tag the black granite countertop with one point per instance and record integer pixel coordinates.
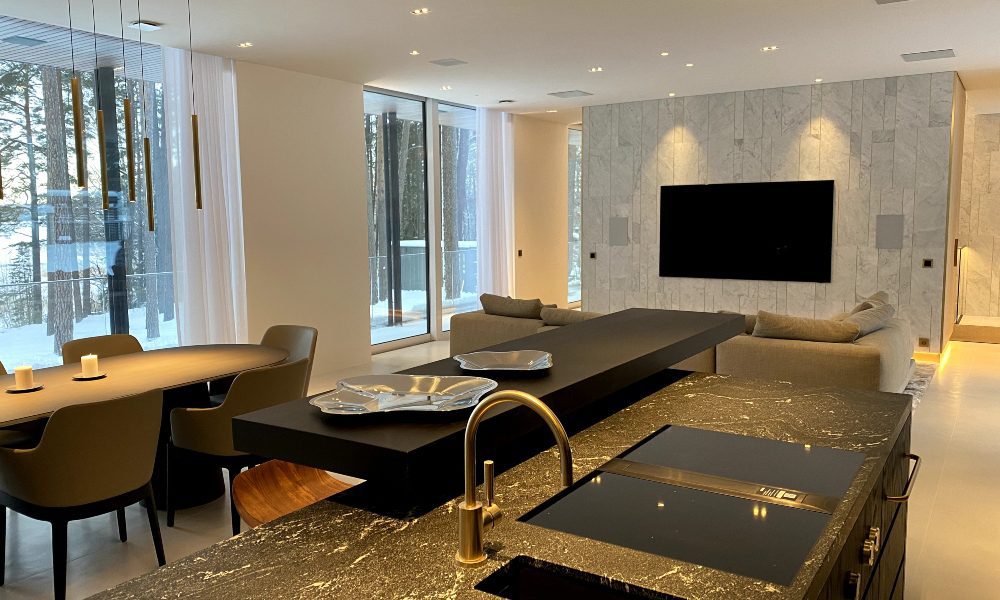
(334, 551)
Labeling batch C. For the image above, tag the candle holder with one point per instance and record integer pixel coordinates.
(82, 377)
(13, 389)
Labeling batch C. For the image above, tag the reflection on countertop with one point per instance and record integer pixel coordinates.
(333, 551)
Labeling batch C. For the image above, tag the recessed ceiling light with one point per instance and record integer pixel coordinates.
(145, 25)
(664, 53)
(420, 11)
(551, 111)
(689, 65)
(671, 94)
(596, 69)
(818, 80)
(414, 52)
(768, 48)
(21, 40)
(245, 44)
(445, 88)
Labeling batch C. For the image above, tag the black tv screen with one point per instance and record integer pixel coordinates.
(776, 231)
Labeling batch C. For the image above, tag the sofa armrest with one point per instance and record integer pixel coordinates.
(809, 363)
(477, 330)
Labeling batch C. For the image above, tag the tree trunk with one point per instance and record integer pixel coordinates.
(161, 206)
(148, 247)
(379, 222)
(59, 235)
(35, 312)
(449, 210)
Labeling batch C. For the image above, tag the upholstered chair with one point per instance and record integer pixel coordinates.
(101, 345)
(298, 340)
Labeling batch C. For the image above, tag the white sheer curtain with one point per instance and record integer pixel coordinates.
(495, 202)
(209, 272)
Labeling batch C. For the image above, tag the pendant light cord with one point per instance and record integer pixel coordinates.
(142, 70)
(121, 21)
(72, 46)
(191, 58)
(97, 79)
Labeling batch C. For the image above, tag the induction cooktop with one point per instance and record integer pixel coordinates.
(741, 504)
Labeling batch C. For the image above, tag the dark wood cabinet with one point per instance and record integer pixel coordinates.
(875, 571)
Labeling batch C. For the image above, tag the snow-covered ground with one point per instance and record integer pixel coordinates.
(29, 345)
(415, 315)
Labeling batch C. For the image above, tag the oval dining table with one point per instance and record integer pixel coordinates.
(178, 371)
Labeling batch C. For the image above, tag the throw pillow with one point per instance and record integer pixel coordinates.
(873, 319)
(505, 306)
(565, 316)
(876, 299)
(750, 320)
(770, 325)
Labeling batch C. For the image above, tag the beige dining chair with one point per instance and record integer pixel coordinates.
(298, 340)
(208, 432)
(277, 488)
(92, 459)
(14, 438)
(101, 345)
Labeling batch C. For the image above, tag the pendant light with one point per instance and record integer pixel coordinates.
(127, 113)
(77, 97)
(194, 118)
(147, 163)
(100, 118)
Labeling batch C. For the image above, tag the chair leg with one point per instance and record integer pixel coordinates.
(3, 544)
(233, 472)
(59, 543)
(122, 531)
(169, 486)
(154, 525)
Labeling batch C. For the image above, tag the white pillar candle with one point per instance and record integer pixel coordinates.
(89, 364)
(23, 378)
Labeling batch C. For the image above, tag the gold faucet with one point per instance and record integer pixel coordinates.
(473, 516)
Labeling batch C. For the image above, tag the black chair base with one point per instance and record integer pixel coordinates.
(59, 518)
(232, 464)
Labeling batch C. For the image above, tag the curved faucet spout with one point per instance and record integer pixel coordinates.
(473, 516)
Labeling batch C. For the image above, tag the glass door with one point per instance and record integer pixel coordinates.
(575, 217)
(458, 158)
(397, 217)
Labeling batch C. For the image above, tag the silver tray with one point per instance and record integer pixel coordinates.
(517, 360)
(391, 393)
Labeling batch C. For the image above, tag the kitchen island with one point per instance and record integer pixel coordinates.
(331, 550)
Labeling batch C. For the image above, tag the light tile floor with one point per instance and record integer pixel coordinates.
(954, 539)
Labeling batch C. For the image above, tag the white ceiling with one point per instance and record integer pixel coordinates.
(524, 49)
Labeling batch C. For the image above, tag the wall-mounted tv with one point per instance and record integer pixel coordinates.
(775, 231)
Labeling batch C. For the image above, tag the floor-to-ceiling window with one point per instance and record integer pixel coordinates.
(395, 139)
(575, 196)
(68, 267)
(459, 286)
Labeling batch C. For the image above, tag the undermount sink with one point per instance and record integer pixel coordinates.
(526, 578)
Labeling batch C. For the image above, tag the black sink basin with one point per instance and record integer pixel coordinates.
(526, 578)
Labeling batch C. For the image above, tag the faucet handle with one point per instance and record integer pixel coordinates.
(488, 481)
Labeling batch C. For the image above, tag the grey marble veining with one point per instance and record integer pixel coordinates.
(333, 551)
(872, 137)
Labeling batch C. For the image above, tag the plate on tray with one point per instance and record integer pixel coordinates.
(369, 394)
(516, 360)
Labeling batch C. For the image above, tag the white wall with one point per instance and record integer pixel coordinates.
(885, 142)
(303, 175)
(541, 163)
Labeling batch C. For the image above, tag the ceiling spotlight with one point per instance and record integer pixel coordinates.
(596, 69)
(420, 11)
(818, 80)
(671, 94)
(689, 65)
(768, 48)
(145, 25)
(245, 44)
(664, 53)
(445, 88)
(414, 52)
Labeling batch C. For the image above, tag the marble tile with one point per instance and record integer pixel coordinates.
(810, 147)
(904, 160)
(881, 165)
(800, 299)
(913, 101)
(772, 112)
(687, 163)
(753, 115)
(751, 160)
(785, 157)
(722, 153)
(796, 103)
(942, 97)
(696, 119)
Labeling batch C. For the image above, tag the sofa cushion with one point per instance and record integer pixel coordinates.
(770, 325)
(876, 299)
(750, 320)
(872, 319)
(505, 306)
(565, 316)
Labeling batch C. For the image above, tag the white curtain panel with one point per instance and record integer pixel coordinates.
(209, 272)
(495, 202)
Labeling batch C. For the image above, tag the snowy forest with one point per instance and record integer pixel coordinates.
(68, 268)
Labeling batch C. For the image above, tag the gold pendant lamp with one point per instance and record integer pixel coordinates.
(77, 98)
(196, 145)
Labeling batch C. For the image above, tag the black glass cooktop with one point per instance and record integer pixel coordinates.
(740, 504)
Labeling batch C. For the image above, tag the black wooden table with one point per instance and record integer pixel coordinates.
(413, 461)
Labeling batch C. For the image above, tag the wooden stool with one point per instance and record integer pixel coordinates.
(277, 488)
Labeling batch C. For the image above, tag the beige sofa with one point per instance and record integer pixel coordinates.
(477, 330)
(881, 360)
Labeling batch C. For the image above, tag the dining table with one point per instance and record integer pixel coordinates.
(180, 372)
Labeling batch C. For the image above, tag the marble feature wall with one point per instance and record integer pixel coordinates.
(979, 220)
(885, 142)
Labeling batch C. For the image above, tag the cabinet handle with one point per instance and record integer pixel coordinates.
(869, 551)
(909, 482)
(853, 588)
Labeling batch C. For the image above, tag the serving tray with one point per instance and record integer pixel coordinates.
(515, 360)
(369, 394)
